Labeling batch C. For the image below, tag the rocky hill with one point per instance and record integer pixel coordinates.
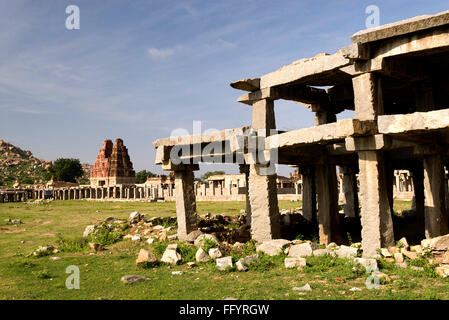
(20, 165)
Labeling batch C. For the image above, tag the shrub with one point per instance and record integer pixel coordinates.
(159, 248)
(106, 235)
(78, 244)
(187, 252)
(42, 274)
(208, 244)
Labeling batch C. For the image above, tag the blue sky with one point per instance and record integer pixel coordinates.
(139, 69)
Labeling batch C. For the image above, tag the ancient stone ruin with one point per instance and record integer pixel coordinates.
(394, 78)
(113, 166)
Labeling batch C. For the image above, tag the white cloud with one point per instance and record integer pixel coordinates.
(162, 53)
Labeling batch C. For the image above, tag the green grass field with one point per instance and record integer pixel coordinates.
(41, 278)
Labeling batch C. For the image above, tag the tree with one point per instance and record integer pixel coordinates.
(67, 170)
(143, 175)
(208, 174)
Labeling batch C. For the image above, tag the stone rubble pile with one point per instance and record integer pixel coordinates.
(212, 245)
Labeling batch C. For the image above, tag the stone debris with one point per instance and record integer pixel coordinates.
(417, 268)
(442, 271)
(301, 250)
(55, 258)
(320, 252)
(200, 240)
(305, 287)
(191, 264)
(384, 252)
(398, 257)
(403, 243)
(346, 252)
(244, 263)
(273, 247)
(96, 246)
(176, 273)
(367, 263)
(224, 263)
(294, 262)
(353, 289)
(201, 255)
(215, 253)
(88, 230)
(409, 254)
(170, 255)
(133, 279)
(145, 259)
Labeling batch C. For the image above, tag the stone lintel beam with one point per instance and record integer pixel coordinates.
(428, 150)
(304, 69)
(265, 93)
(202, 138)
(162, 154)
(170, 166)
(246, 84)
(356, 51)
(327, 132)
(401, 27)
(374, 142)
(425, 41)
(414, 122)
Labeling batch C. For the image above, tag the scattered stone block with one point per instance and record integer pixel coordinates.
(248, 260)
(136, 237)
(191, 264)
(95, 246)
(88, 230)
(367, 263)
(240, 266)
(442, 271)
(403, 243)
(215, 253)
(294, 262)
(305, 287)
(55, 258)
(301, 250)
(418, 249)
(192, 236)
(171, 256)
(273, 247)
(199, 240)
(224, 263)
(398, 257)
(150, 240)
(133, 279)
(145, 258)
(176, 273)
(440, 243)
(346, 252)
(402, 265)
(409, 254)
(201, 255)
(320, 252)
(417, 268)
(385, 253)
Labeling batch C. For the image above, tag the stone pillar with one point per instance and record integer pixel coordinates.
(185, 202)
(244, 168)
(265, 219)
(418, 188)
(327, 194)
(351, 207)
(377, 224)
(367, 96)
(436, 220)
(308, 194)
